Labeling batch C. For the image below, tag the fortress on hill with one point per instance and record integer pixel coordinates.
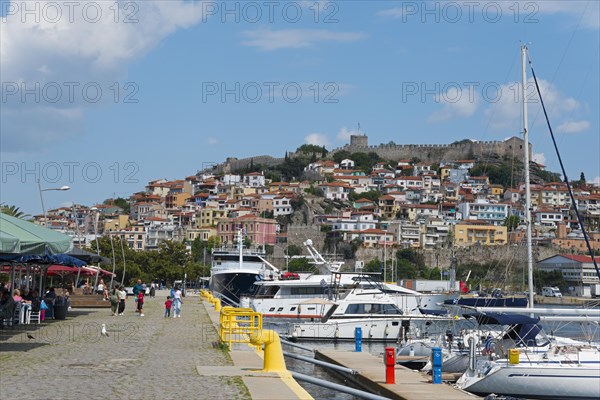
(461, 150)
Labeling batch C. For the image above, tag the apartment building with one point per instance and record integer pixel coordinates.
(468, 233)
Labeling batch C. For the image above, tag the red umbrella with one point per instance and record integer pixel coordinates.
(91, 271)
(61, 270)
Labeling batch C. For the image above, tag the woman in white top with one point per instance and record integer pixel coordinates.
(177, 302)
(122, 296)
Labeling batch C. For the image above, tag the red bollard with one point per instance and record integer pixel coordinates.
(390, 365)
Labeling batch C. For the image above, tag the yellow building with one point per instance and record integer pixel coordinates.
(202, 233)
(496, 190)
(468, 233)
(115, 224)
(176, 200)
(444, 172)
(210, 217)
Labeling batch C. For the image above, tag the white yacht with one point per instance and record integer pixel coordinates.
(373, 311)
(288, 298)
(235, 269)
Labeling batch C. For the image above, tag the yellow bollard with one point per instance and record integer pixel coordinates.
(217, 303)
(274, 361)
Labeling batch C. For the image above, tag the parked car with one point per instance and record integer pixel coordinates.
(551, 292)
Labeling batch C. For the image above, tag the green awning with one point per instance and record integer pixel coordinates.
(9, 243)
(22, 237)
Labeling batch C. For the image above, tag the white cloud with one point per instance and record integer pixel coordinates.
(317, 139)
(269, 40)
(505, 109)
(596, 181)
(395, 13)
(457, 102)
(573, 127)
(212, 141)
(539, 158)
(588, 11)
(345, 133)
(531, 11)
(70, 47)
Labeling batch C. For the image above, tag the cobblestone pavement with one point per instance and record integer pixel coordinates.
(143, 357)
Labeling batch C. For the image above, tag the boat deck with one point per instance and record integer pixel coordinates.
(410, 385)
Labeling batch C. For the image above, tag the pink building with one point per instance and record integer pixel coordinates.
(259, 230)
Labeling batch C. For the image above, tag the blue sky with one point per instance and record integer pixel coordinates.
(407, 71)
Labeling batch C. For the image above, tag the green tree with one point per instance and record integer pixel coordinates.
(372, 195)
(512, 222)
(582, 181)
(299, 265)
(13, 211)
(548, 278)
(341, 155)
(374, 265)
(119, 202)
(294, 250)
(311, 148)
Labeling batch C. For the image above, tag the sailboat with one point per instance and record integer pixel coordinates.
(561, 372)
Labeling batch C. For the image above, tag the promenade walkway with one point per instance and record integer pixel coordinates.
(143, 357)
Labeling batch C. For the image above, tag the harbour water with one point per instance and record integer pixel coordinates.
(584, 331)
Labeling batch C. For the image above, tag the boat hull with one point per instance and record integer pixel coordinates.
(373, 329)
(231, 284)
(535, 382)
(488, 302)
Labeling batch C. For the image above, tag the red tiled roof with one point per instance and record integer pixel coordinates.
(578, 258)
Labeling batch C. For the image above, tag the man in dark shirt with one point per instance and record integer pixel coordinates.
(136, 289)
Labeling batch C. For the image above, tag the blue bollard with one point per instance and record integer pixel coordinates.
(436, 362)
(358, 339)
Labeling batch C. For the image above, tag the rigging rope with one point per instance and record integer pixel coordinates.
(562, 167)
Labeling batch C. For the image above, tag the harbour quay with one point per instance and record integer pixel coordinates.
(370, 375)
(368, 372)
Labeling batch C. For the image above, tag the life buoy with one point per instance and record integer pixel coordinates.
(468, 336)
(338, 276)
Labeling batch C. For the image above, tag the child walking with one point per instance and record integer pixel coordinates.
(140, 302)
(168, 304)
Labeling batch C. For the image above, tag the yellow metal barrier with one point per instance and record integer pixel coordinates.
(236, 324)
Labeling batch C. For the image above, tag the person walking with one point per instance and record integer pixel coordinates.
(136, 289)
(114, 300)
(140, 302)
(177, 302)
(168, 305)
(122, 297)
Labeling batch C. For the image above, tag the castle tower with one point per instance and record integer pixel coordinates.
(357, 141)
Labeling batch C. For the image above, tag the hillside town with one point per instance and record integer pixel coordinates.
(353, 195)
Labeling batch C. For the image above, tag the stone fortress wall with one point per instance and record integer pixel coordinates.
(464, 150)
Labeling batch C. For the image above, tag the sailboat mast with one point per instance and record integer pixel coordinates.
(527, 180)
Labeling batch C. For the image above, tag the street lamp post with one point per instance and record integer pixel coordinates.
(96, 217)
(122, 239)
(113, 259)
(42, 198)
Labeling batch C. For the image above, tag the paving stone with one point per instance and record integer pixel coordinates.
(143, 357)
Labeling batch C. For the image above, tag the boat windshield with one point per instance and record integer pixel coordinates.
(372, 308)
